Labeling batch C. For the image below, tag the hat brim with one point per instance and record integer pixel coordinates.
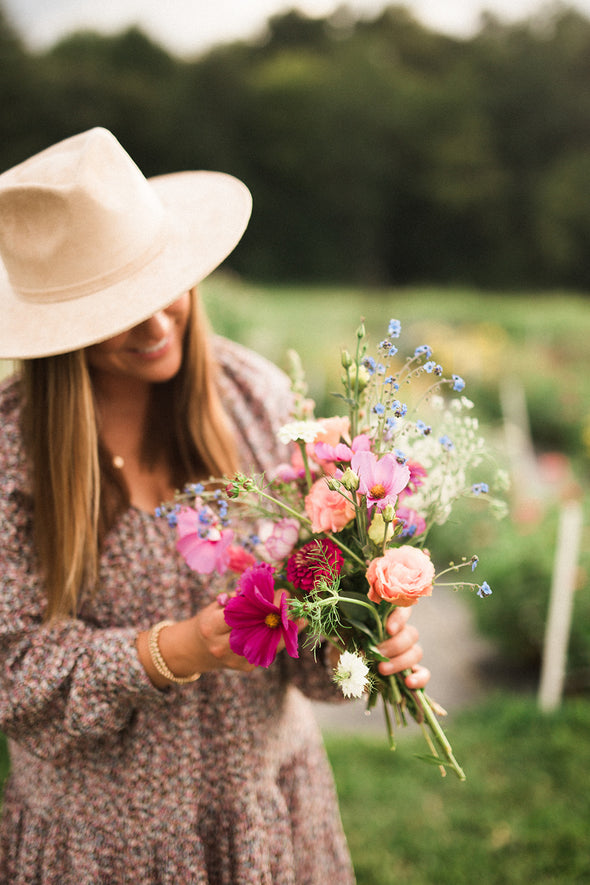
(207, 213)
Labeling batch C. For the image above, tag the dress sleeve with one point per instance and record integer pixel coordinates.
(61, 682)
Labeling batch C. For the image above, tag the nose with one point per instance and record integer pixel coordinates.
(156, 326)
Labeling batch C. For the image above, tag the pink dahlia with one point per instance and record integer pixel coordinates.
(317, 559)
(257, 623)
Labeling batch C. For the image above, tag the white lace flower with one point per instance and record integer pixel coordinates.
(351, 674)
(307, 431)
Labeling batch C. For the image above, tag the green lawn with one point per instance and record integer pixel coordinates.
(521, 816)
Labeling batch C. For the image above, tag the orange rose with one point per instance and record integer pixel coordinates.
(401, 576)
(328, 510)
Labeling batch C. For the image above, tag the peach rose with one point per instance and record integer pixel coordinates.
(328, 510)
(401, 576)
(333, 430)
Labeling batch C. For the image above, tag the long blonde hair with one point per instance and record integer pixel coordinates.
(77, 495)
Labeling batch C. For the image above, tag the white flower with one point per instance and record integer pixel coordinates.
(351, 674)
(307, 431)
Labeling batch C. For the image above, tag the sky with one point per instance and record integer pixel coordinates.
(189, 27)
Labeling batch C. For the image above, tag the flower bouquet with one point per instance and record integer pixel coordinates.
(337, 536)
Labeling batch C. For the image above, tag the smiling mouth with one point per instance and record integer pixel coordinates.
(153, 348)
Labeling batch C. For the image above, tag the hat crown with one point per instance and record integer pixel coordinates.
(76, 217)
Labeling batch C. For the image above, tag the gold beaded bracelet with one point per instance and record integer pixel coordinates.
(157, 659)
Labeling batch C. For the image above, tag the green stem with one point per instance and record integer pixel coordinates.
(389, 725)
(305, 521)
(439, 734)
(303, 450)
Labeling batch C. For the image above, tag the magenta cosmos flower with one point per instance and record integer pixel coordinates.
(380, 479)
(257, 624)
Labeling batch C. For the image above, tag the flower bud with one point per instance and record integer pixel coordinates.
(363, 376)
(388, 513)
(346, 359)
(350, 480)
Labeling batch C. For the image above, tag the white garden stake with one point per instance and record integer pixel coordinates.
(561, 600)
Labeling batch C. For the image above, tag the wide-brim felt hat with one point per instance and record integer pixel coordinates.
(89, 247)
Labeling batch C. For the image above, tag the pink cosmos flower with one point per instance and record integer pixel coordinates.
(328, 510)
(203, 545)
(380, 479)
(317, 559)
(257, 623)
(401, 576)
(414, 524)
(417, 475)
(341, 452)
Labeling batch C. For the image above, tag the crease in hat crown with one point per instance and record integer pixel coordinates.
(77, 217)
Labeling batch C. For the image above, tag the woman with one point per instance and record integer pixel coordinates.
(125, 765)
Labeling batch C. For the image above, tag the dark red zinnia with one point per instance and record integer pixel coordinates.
(320, 558)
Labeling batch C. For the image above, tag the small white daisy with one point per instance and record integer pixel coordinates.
(307, 431)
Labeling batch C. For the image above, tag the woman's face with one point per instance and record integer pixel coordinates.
(150, 351)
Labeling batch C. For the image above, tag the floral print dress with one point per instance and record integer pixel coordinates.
(223, 781)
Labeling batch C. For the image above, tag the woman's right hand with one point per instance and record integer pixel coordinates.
(197, 645)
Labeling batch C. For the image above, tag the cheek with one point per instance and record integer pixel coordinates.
(96, 353)
(180, 312)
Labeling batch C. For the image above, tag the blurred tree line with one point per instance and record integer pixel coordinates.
(378, 151)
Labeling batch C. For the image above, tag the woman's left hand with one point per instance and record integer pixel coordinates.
(403, 650)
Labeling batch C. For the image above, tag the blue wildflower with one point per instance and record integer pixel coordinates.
(484, 590)
(379, 409)
(195, 488)
(447, 443)
(438, 370)
(429, 366)
(172, 519)
(400, 457)
(409, 530)
(399, 409)
(370, 364)
(423, 350)
(392, 350)
(423, 428)
(474, 562)
(394, 329)
(458, 383)
(480, 488)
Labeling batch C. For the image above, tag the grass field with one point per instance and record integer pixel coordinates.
(521, 816)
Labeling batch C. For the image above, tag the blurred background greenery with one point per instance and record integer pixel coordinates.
(399, 172)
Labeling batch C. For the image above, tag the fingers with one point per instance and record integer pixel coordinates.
(402, 649)
(418, 678)
(212, 634)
